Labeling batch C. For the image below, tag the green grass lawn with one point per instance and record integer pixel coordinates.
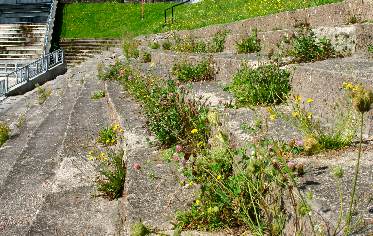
(113, 20)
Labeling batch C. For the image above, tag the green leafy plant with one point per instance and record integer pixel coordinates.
(43, 93)
(139, 229)
(21, 121)
(316, 137)
(265, 85)
(166, 45)
(112, 171)
(113, 72)
(146, 57)
(304, 46)
(130, 47)
(218, 41)
(154, 45)
(4, 133)
(173, 116)
(239, 189)
(249, 45)
(98, 95)
(370, 49)
(189, 44)
(186, 72)
(110, 135)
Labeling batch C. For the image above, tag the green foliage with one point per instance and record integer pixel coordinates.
(249, 45)
(306, 47)
(84, 20)
(265, 85)
(155, 45)
(370, 48)
(130, 47)
(146, 57)
(171, 113)
(166, 45)
(139, 229)
(43, 93)
(98, 95)
(190, 44)
(112, 72)
(4, 132)
(218, 41)
(186, 72)
(113, 174)
(316, 137)
(109, 135)
(239, 189)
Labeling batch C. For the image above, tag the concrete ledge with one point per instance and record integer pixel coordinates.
(41, 79)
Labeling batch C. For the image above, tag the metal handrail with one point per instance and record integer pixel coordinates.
(49, 26)
(172, 11)
(31, 71)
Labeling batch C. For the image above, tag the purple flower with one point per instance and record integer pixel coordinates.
(179, 148)
(299, 143)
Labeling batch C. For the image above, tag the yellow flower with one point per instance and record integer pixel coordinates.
(297, 98)
(309, 115)
(309, 100)
(348, 86)
(218, 177)
(198, 202)
(200, 144)
(194, 131)
(295, 114)
(272, 117)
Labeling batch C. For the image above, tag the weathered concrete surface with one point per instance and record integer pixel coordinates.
(323, 81)
(47, 188)
(152, 194)
(320, 181)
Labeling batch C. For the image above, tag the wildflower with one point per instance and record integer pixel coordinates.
(200, 144)
(309, 100)
(176, 158)
(194, 131)
(179, 148)
(198, 202)
(291, 165)
(299, 143)
(295, 114)
(297, 98)
(362, 99)
(338, 172)
(348, 86)
(273, 117)
(310, 144)
(136, 166)
(309, 115)
(218, 177)
(116, 127)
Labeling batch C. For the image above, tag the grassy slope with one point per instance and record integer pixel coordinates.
(112, 20)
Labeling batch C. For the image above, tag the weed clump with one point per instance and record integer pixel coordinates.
(98, 95)
(130, 47)
(4, 132)
(154, 45)
(146, 57)
(43, 93)
(265, 85)
(202, 71)
(249, 45)
(190, 44)
(303, 46)
(112, 171)
(110, 135)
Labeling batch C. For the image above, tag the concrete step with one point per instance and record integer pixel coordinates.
(44, 188)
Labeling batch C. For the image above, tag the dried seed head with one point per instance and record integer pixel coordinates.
(362, 99)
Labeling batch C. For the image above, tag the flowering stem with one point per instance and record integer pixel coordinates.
(349, 214)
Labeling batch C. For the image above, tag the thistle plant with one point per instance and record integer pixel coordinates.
(362, 100)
